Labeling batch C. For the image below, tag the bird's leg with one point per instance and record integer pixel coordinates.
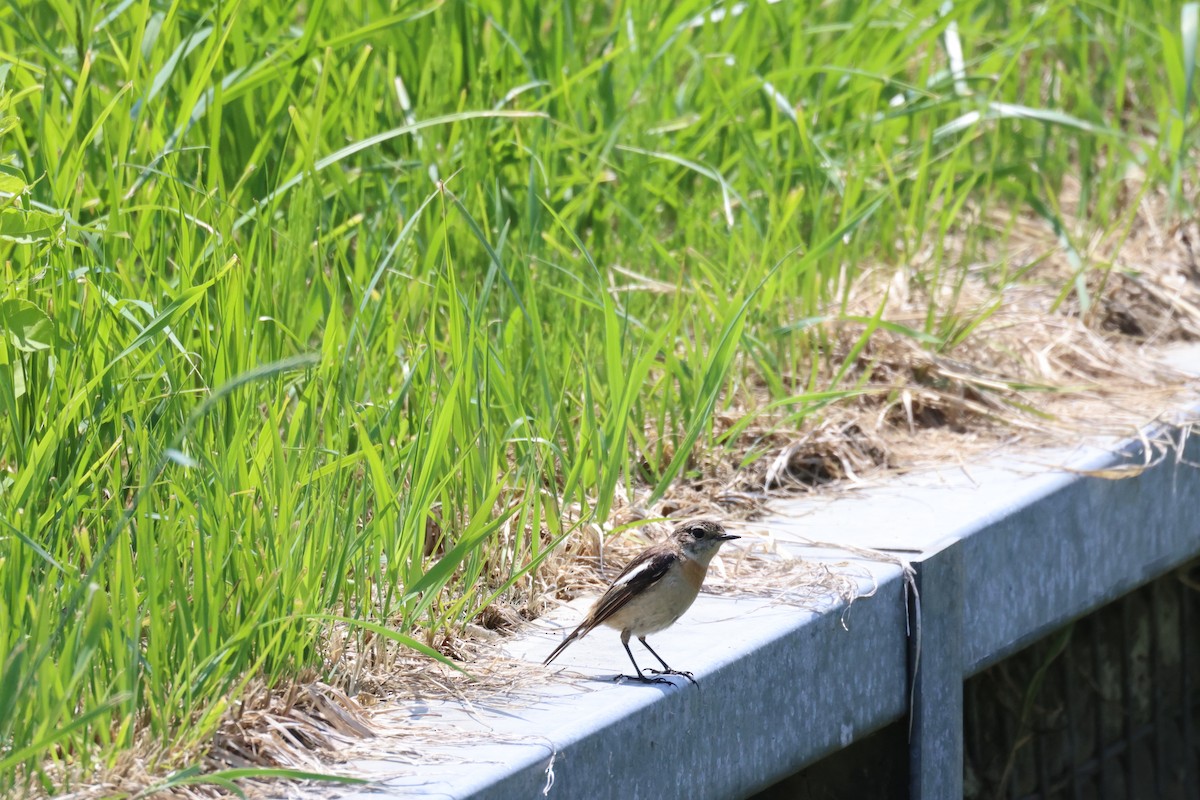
(637, 671)
(665, 670)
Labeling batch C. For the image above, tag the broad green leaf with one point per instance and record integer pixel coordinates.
(27, 227)
(11, 184)
(27, 327)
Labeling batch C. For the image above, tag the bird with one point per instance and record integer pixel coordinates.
(653, 591)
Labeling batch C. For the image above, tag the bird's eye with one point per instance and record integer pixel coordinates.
(698, 533)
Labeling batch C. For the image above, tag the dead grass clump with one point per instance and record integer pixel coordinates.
(1153, 292)
(286, 727)
(829, 452)
(268, 728)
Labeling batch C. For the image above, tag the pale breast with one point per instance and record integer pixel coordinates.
(662, 604)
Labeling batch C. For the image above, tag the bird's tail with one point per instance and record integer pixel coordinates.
(575, 634)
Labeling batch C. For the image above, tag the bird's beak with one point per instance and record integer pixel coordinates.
(725, 537)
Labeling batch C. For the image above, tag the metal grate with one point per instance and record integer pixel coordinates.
(1107, 707)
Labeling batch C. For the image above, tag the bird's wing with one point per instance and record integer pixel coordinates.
(642, 573)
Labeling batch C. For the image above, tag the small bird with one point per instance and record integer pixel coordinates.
(654, 590)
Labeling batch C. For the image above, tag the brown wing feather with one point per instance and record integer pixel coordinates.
(651, 566)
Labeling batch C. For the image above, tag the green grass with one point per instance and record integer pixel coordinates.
(355, 309)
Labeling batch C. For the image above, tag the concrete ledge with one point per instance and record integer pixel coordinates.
(1006, 551)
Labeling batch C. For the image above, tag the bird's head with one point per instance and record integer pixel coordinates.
(700, 539)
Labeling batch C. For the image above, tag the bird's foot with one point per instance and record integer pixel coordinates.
(640, 678)
(687, 675)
